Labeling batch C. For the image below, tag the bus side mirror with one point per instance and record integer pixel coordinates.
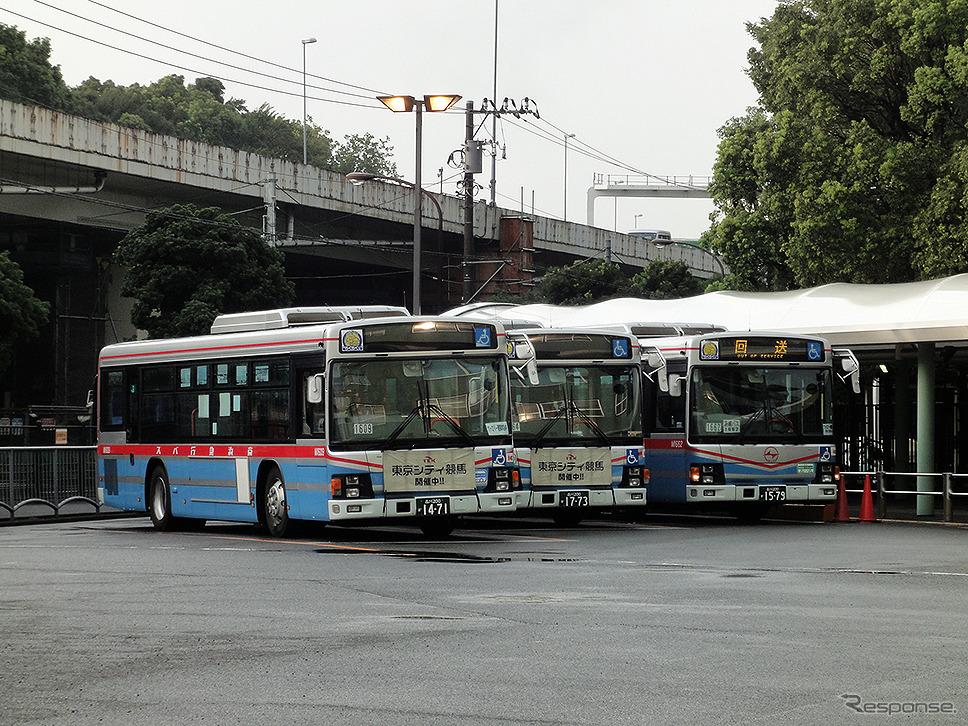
(657, 367)
(675, 385)
(532, 369)
(314, 388)
(850, 365)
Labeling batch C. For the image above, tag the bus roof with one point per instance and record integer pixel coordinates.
(292, 317)
(273, 341)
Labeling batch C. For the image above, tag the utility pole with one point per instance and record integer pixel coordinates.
(494, 119)
(468, 287)
(269, 220)
(474, 164)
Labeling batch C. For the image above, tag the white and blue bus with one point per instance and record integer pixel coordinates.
(320, 414)
(743, 421)
(578, 420)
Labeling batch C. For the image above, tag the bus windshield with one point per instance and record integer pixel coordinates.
(404, 403)
(574, 405)
(739, 404)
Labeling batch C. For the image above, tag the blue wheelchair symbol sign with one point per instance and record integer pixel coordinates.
(498, 457)
(620, 348)
(632, 456)
(482, 337)
(826, 453)
(815, 351)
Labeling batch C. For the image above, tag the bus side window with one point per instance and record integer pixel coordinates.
(113, 402)
(670, 413)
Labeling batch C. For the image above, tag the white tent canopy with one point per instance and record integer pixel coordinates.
(844, 313)
(878, 318)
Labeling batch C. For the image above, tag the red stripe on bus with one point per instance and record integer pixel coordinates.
(215, 348)
(680, 445)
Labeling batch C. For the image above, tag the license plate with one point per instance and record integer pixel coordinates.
(433, 506)
(573, 499)
(773, 494)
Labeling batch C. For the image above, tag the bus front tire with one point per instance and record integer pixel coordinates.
(567, 518)
(274, 508)
(437, 526)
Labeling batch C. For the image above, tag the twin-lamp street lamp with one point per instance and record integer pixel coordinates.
(405, 104)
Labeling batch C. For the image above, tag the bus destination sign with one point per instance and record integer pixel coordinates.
(761, 348)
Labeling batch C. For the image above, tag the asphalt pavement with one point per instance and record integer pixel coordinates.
(672, 621)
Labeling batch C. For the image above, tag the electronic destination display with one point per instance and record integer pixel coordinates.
(749, 348)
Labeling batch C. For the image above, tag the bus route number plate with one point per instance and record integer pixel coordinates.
(573, 499)
(773, 494)
(432, 506)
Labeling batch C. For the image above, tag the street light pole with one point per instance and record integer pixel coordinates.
(417, 207)
(435, 102)
(306, 42)
(564, 208)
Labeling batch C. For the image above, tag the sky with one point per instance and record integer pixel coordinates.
(643, 85)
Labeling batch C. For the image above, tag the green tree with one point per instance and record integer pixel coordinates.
(21, 313)
(363, 152)
(582, 282)
(186, 265)
(850, 166)
(664, 280)
(199, 112)
(26, 75)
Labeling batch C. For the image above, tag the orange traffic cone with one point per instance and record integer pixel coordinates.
(867, 503)
(843, 515)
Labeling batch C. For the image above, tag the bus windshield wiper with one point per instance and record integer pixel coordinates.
(442, 416)
(547, 427)
(587, 419)
(770, 414)
(399, 429)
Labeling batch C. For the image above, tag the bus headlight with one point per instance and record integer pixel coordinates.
(827, 473)
(634, 476)
(351, 486)
(502, 479)
(707, 474)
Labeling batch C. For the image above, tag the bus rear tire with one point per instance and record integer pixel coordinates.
(159, 501)
(275, 511)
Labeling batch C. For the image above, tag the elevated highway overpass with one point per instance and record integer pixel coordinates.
(71, 187)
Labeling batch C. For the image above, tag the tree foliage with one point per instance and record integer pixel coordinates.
(196, 111)
(21, 313)
(589, 281)
(26, 75)
(186, 265)
(199, 112)
(852, 167)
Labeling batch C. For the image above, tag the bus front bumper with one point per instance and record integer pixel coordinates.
(779, 493)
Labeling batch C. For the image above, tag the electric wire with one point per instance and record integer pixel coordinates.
(194, 70)
(229, 50)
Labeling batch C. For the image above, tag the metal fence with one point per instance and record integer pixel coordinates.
(896, 485)
(58, 479)
(47, 480)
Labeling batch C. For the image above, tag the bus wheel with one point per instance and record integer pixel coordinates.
(159, 500)
(276, 513)
(437, 526)
(566, 518)
(750, 514)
